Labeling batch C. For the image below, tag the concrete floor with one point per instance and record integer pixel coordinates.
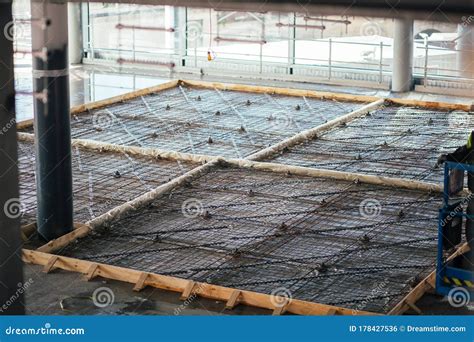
(66, 293)
(63, 293)
(48, 291)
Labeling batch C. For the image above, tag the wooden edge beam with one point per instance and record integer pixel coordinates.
(80, 230)
(112, 100)
(332, 312)
(152, 152)
(209, 85)
(215, 292)
(140, 284)
(338, 175)
(430, 104)
(91, 271)
(233, 301)
(426, 284)
(49, 265)
(254, 89)
(187, 290)
(279, 91)
(266, 166)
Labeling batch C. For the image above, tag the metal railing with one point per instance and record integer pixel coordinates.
(196, 53)
(433, 64)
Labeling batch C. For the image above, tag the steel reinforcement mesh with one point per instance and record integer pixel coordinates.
(101, 180)
(206, 121)
(401, 142)
(335, 242)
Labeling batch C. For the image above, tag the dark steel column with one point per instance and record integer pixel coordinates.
(11, 274)
(52, 125)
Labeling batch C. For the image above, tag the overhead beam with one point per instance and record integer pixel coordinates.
(447, 10)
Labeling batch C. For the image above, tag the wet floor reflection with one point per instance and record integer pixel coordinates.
(85, 86)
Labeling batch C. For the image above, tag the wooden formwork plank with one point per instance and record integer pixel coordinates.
(102, 103)
(140, 284)
(255, 89)
(188, 290)
(233, 300)
(280, 91)
(91, 272)
(264, 166)
(428, 283)
(152, 152)
(325, 95)
(338, 175)
(205, 290)
(50, 264)
(200, 84)
(431, 104)
(64, 240)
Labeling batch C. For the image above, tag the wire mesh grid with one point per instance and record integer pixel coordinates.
(206, 121)
(334, 242)
(402, 142)
(101, 181)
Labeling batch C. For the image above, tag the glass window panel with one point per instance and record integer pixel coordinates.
(144, 28)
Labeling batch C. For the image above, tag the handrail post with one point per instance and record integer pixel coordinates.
(330, 59)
